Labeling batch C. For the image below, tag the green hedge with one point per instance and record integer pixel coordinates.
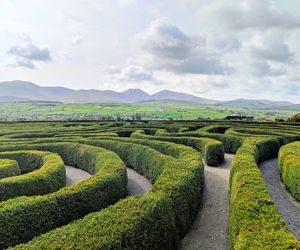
(254, 220)
(289, 167)
(48, 177)
(140, 222)
(9, 168)
(23, 218)
(212, 150)
(154, 220)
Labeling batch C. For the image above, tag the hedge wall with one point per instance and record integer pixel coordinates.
(23, 218)
(9, 168)
(154, 220)
(254, 220)
(46, 179)
(289, 167)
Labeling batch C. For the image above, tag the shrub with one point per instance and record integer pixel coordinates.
(289, 167)
(23, 218)
(9, 168)
(254, 220)
(49, 176)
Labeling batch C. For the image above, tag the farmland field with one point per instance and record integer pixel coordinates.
(148, 110)
(149, 185)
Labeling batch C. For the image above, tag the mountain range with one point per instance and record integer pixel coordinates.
(20, 91)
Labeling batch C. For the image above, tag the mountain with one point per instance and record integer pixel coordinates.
(294, 107)
(16, 91)
(254, 104)
(12, 99)
(177, 96)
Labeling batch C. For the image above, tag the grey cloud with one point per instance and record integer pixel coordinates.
(272, 50)
(27, 54)
(261, 69)
(31, 52)
(22, 63)
(164, 46)
(130, 73)
(254, 14)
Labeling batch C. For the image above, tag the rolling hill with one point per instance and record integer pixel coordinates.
(18, 91)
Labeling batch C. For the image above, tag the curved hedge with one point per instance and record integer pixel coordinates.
(212, 150)
(154, 220)
(254, 220)
(23, 218)
(289, 167)
(48, 176)
(9, 168)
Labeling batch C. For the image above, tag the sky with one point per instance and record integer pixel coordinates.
(220, 49)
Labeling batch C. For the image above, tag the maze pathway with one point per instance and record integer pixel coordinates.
(211, 226)
(137, 184)
(75, 175)
(287, 206)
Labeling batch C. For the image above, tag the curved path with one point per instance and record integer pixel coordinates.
(137, 184)
(287, 206)
(75, 175)
(211, 226)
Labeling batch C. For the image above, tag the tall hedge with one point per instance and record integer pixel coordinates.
(23, 218)
(289, 167)
(254, 220)
(49, 175)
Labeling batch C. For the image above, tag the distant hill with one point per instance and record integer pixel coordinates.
(254, 104)
(12, 99)
(18, 91)
(172, 95)
(294, 107)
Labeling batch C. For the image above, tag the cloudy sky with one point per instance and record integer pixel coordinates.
(221, 49)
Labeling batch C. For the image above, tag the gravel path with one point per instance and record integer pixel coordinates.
(137, 184)
(75, 175)
(211, 226)
(287, 206)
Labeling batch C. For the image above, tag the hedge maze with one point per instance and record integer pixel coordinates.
(37, 210)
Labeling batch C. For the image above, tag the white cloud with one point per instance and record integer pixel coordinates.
(163, 46)
(270, 47)
(252, 14)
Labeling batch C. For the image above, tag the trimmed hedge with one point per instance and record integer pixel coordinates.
(154, 220)
(254, 220)
(49, 177)
(9, 168)
(289, 167)
(23, 218)
(212, 150)
(140, 222)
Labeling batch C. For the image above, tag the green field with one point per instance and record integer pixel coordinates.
(148, 110)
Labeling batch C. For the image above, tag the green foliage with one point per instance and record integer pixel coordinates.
(23, 218)
(9, 168)
(254, 220)
(289, 167)
(48, 177)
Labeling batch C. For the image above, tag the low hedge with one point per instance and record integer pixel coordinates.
(140, 222)
(23, 218)
(9, 168)
(154, 220)
(289, 167)
(254, 220)
(48, 176)
(212, 150)
(230, 143)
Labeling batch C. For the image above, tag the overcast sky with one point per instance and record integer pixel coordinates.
(221, 49)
